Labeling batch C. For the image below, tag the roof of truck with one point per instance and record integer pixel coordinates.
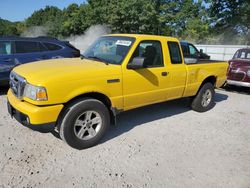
(144, 36)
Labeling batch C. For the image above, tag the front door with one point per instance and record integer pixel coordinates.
(146, 85)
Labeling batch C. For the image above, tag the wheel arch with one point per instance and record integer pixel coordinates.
(210, 79)
(94, 95)
(91, 95)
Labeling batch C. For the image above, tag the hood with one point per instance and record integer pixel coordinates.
(67, 69)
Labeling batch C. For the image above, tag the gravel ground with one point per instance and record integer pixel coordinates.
(163, 145)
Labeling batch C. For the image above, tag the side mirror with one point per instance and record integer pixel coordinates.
(136, 63)
(201, 51)
(190, 60)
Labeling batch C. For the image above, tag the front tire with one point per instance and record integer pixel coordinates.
(84, 123)
(204, 100)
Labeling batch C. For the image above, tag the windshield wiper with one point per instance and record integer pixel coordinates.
(98, 59)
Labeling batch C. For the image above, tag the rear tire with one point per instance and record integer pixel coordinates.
(204, 100)
(84, 123)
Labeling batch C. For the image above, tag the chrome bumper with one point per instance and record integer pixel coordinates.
(238, 83)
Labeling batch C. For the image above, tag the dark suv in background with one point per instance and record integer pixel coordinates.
(190, 51)
(16, 50)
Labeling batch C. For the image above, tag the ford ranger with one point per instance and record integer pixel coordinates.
(80, 97)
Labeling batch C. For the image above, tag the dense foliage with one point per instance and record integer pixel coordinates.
(200, 21)
(7, 28)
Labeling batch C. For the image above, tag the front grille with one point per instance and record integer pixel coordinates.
(17, 85)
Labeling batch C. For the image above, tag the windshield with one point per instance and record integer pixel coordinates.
(242, 54)
(109, 49)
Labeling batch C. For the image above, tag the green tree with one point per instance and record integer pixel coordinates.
(186, 19)
(231, 20)
(49, 14)
(75, 19)
(7, 28)
(193, 20)
(50, 18)
(125, 16)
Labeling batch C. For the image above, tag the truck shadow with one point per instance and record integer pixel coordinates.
(128, 120)
(137, 117)
(220, 97)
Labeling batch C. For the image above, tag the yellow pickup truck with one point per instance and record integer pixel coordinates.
(80, 97)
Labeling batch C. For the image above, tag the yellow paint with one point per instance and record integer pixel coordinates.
(65, 79)
(37, 115)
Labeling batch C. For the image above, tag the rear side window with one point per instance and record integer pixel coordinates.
(184, 49)
(52, 47)
(27, 47)
(42, 47)
(5, 47)
(175, 53)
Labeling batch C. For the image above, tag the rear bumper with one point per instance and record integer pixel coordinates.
(31, 115)
(238, 83)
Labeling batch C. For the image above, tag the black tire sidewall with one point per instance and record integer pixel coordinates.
(196, 103)
(67, 127)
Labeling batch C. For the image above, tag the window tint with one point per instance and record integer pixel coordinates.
(52, 47)
(184, 49)
(5, 47)
(27, 47)
(248, 55)
(175, 53)
(242, 54)
(42, 47)
(192, 50)
(236, 55)
(152, 52)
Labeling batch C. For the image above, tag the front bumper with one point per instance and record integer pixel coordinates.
(238, 83)
(31, 115)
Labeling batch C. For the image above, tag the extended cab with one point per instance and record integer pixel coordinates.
(119, 72)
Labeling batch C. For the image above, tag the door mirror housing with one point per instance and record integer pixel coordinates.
(189, 60)
(201, 51)
(136, 63)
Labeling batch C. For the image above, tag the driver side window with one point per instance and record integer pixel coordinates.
(151, 51)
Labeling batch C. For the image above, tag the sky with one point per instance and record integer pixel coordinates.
(19, 10)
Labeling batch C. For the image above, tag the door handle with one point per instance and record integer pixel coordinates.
(164, 73)
(7, 60)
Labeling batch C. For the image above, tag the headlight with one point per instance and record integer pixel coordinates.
(248, 73)
(35, 93)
